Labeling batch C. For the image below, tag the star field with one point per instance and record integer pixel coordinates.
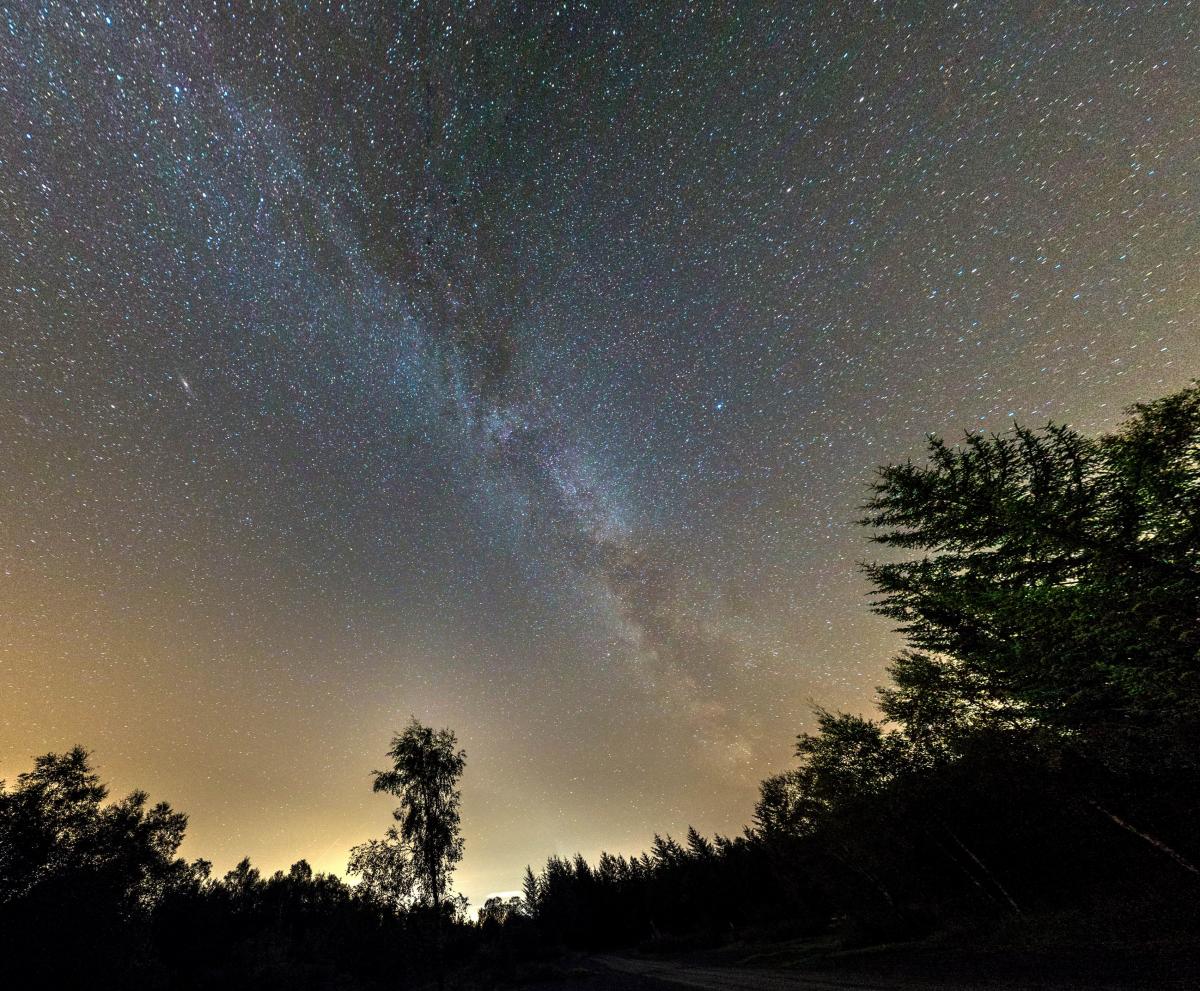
(522, 367)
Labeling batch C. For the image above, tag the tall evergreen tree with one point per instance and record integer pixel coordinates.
(1055, 577)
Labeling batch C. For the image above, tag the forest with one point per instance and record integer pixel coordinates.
(1032, 765)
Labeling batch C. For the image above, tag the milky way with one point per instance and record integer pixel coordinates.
(521, 367)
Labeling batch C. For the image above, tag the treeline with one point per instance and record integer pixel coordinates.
(1038, 746)
(93, 894)
(708, 889)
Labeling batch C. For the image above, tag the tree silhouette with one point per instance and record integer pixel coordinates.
(1057, 577)
(79, 877)
(1048, 586)
(386, 872)
(1035, 750)
(426, 766)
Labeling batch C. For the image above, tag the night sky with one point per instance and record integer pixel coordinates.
(521, 367)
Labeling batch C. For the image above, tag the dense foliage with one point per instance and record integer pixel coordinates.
(426, 766)
(93, 894)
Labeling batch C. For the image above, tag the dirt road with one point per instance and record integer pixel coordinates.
(754, 979)
(738, 979)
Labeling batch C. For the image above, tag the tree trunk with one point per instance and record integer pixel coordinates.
(863, 872)
(992, 879)
(1154, 841)
(957, 862)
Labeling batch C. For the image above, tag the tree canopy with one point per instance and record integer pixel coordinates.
(424, 776)
(1053, 577)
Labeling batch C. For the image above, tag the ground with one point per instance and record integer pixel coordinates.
(894, 969)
